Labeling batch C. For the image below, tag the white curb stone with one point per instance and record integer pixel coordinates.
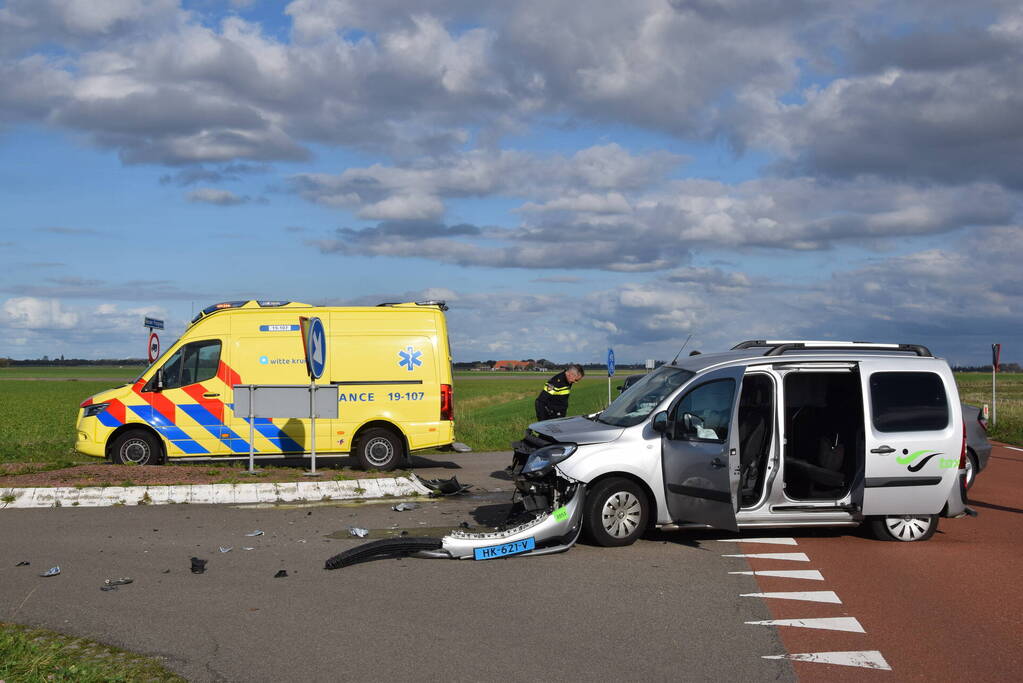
(204, 494)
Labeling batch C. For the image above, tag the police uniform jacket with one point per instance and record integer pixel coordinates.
(554, 395)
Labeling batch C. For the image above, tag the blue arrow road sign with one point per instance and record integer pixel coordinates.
(316, 348)
(610, 362)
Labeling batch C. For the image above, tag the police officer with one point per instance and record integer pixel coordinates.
(553, 400)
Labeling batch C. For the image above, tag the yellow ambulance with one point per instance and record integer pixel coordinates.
(391, 364)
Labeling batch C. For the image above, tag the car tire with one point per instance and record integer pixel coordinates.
(380, 449)
(615, 513)
(136, 447)
(904, 528)
(971, 468)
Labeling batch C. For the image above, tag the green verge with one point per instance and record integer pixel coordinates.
(28, 655)
(975, 389)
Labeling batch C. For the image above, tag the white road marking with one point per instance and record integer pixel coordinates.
(867, 659)
(795, 557)
(1013, 448)
(808, 596)
(809, 574)
(849, 624)
(772, 541)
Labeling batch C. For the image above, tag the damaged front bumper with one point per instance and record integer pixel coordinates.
(552, 529)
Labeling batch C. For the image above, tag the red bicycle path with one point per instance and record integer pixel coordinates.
(947, 609)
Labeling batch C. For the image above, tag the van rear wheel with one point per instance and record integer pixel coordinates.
(380, 449)
(906, 528)
(136, 448)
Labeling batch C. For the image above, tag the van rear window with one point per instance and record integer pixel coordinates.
(908, 401)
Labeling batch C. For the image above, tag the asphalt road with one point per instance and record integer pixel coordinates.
(665, 608)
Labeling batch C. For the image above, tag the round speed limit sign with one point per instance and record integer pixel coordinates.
(154, 347)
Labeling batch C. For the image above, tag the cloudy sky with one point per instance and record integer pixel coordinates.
(567, 175)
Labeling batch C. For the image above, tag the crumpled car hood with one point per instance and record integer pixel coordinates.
(577, 430)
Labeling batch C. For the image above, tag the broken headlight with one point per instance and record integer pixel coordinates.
(546, 457)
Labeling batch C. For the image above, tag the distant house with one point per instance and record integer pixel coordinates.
(511, 365)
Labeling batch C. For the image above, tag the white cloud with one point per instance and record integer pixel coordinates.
(209, 195)
(37, 314)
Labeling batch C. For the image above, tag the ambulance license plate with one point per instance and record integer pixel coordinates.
(492, 552)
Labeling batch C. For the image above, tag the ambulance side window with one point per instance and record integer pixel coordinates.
(908, 401)
(192, 363)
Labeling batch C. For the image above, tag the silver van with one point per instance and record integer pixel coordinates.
(768, 434)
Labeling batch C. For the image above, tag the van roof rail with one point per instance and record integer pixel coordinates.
(442, 305)
(779, 347)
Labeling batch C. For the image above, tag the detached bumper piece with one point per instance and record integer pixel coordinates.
(547, 532)
(382, 549)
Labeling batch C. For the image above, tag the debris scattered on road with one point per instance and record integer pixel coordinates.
(226, 548)
(112, 584)
(443, 487)
(124, 581)
(357, 531)
(257, 532)
(402, 507)
(198, 566)
(281, 574)
(52, 571)
(464, 525)
(247, 547)
(23, 563)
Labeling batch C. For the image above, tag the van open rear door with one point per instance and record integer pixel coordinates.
(700, 451)
(913, 437)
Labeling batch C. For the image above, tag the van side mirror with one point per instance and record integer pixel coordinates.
(660, 422)
(158, 380)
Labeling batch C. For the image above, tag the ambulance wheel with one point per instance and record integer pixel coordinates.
(615, 512)
(906, 528)
(136, 448)
(379, 449)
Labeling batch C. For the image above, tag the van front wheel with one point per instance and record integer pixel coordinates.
(136, 448)
(615, 512)
(905, 528)
(379, 449)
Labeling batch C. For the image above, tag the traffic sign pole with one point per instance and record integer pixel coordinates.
(315, 339)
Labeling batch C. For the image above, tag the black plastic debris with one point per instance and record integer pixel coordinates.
(281, 574)
(52, 571)
(443, 487)
(198, 566)
(23, 563)
(384, 548)
(463, 525)
(402, 507)
(107, 588)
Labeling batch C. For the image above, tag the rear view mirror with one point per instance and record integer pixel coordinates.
(660, 422)
(158, 383)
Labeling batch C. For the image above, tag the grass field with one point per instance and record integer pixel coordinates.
(37, 418)
(975, 388)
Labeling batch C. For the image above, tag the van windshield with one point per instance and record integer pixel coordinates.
(638, 401)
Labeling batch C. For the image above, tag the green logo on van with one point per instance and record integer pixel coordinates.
(926, 455)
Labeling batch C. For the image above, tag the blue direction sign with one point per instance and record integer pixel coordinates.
(153, 324)
(315, 346)
(610, 362)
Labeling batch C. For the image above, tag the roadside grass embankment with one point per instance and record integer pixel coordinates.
(29, 655)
